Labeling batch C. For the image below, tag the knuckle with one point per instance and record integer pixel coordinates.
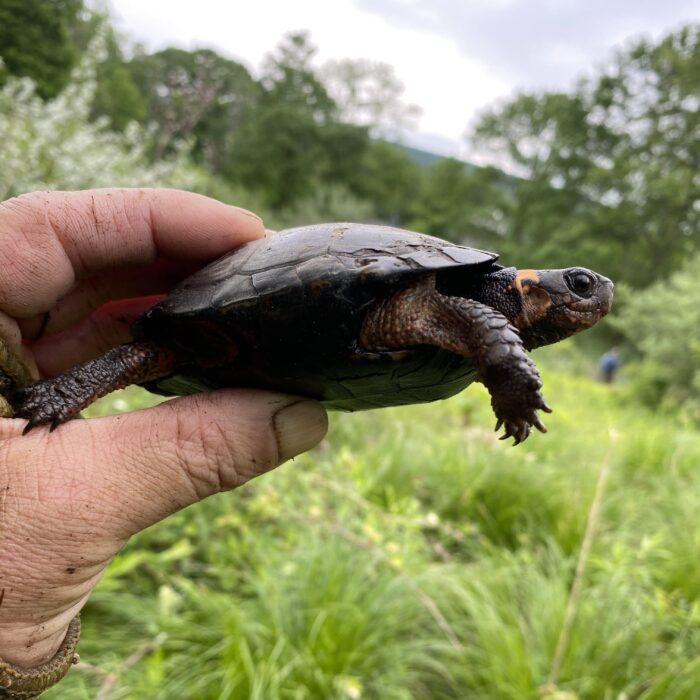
(128, 212)
(28, 205)
(201, 462)
(31, 251)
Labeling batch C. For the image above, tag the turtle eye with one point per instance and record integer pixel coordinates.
(580, 282)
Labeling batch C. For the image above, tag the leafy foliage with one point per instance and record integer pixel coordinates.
(116, 98)
(464, 203)
(389, 179)
(369, 93)
(37, 41)
(279, 151)
(193, 94)
(662, 323)
(289, 77)
(611, 168)
(53, 143)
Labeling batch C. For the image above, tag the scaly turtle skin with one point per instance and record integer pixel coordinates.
(353, 315)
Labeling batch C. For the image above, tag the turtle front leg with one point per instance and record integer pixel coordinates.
(56, 400)
(420, 315)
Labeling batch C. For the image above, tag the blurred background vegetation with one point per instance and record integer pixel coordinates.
(411, 556)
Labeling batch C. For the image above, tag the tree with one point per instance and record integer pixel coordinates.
(36, 41)
(610, 169)
(193, 94)
(464, 203)
(277, 151)
(390, 179)
(291, 141)
(344, 146)
(289, 76)
(661, 324)
(54, 144)
(369, 93)
(116, 94)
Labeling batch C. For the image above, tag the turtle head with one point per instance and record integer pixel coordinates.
(555, 304)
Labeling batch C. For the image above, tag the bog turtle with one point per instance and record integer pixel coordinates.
(356, 316)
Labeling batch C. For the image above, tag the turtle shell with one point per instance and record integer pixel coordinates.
(284, 313)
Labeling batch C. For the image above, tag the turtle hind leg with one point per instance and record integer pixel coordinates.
(54, 401)
(420, 315)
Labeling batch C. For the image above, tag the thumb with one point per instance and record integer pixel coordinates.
(70, 499)
(165, 458)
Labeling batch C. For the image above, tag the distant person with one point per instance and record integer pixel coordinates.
(609, 364)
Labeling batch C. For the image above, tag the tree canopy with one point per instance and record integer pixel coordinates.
(603, 175)
(38, 40)
(609, 169)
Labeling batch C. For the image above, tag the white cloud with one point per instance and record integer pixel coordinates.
(522, 40)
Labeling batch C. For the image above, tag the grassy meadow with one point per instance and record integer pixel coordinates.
(413, 555)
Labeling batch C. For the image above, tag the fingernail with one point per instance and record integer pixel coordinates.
(299, 427)
(245, 212)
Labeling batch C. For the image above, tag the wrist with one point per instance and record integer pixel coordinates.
(18, 654)
(17, 681)
(29, 646)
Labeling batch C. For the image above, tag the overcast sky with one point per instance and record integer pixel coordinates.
(454, 56)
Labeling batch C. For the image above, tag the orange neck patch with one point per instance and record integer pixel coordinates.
(525, 279)
(535, 300)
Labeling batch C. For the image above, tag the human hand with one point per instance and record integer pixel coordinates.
(69, 500)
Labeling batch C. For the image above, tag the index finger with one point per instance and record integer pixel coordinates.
(52, 239)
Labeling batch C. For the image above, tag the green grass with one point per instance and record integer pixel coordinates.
(413, 555)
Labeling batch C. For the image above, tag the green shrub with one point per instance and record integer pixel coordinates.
(662, 325)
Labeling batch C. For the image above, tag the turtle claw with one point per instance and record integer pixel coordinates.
(518, 430)
(520, 417)
(43, 403)
(37, 419)
(516, 399)
(30, 424)
(55, 400)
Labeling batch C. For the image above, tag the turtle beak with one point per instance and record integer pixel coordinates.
(605, 294)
